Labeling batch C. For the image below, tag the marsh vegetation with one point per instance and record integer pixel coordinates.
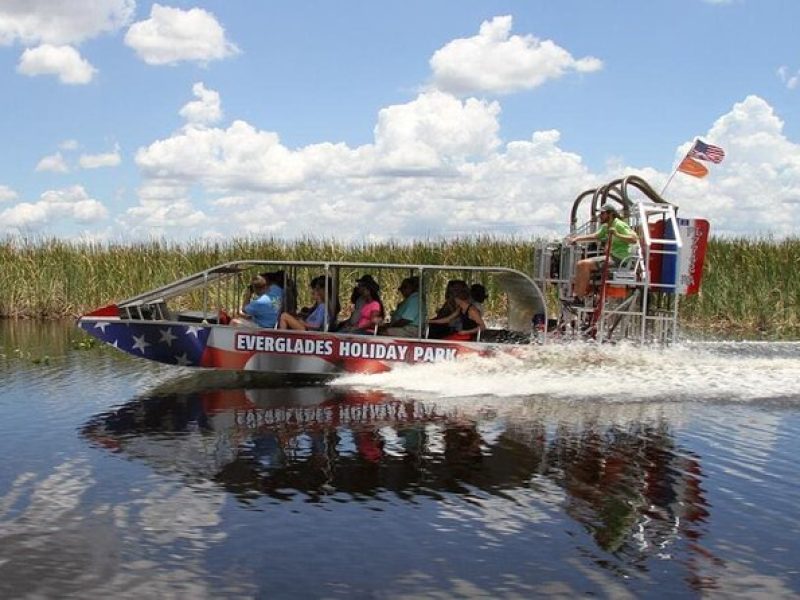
(750, 286)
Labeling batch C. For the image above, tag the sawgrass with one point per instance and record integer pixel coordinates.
(751, 286)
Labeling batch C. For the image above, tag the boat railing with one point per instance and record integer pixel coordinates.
(215, 295)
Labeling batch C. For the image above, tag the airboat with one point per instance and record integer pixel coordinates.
(186, 322)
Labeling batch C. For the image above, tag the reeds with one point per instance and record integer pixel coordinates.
(750, 285)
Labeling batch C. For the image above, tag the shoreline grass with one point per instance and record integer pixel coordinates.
(750, 286)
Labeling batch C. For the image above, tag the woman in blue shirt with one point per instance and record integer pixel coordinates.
(315, 321)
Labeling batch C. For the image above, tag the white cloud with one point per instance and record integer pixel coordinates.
(789, 79)
(32, 22)
(206, 110)
(495, 61)
(163, 207)
(437, 167)
(54, 162)
(231, 202)
(434, 130)
(221, 158)
(431, 132)
(176, 216)
(63, 61)
(172, 35)
(96, 161)
(7, 194)
(54, 207)
(69, 145)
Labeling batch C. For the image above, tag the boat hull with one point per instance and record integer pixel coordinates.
(272, 350)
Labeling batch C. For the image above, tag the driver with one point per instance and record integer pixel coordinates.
(622, 237)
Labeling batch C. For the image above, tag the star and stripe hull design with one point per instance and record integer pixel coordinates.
(271, 350)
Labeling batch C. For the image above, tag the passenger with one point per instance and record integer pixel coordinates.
(468, 316)
(371, 312)
(261, 304)
(356, 303)
(623, 236)
(404, 321)
(302, 313)
(314, 320)
(287, 286)
(441, 326)
(478, 295)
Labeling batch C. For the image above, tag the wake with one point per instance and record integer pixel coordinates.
(727, 371)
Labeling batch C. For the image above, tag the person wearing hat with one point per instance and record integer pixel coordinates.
(622, 236)
(367, 306)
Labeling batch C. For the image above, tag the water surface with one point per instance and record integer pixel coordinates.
(601, 470)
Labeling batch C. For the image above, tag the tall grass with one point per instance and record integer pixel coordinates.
(750, 285)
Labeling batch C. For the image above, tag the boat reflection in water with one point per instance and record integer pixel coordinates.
(622, 479)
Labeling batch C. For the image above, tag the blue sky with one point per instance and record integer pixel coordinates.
(126, 119)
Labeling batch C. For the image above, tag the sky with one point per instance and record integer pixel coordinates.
(356, 120)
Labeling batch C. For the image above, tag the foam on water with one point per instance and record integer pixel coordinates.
(690, 371)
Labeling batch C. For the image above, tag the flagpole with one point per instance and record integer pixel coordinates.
(675, 170)
(666, 185)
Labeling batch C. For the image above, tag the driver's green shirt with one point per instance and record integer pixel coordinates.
(619, 248)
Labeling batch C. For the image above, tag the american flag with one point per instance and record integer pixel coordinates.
(703, 151)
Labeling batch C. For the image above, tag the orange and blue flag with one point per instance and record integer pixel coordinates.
(692, 167)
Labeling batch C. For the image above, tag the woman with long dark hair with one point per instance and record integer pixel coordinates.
(468, 319)
(371, 312)
(445, 323)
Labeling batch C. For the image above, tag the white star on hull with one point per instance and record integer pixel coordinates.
(139, 343)
(167, 337)
(194, 330)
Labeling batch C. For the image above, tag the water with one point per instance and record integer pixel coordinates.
(608, 471)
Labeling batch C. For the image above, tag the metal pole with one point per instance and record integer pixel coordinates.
(666, 185)
(675, 170)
